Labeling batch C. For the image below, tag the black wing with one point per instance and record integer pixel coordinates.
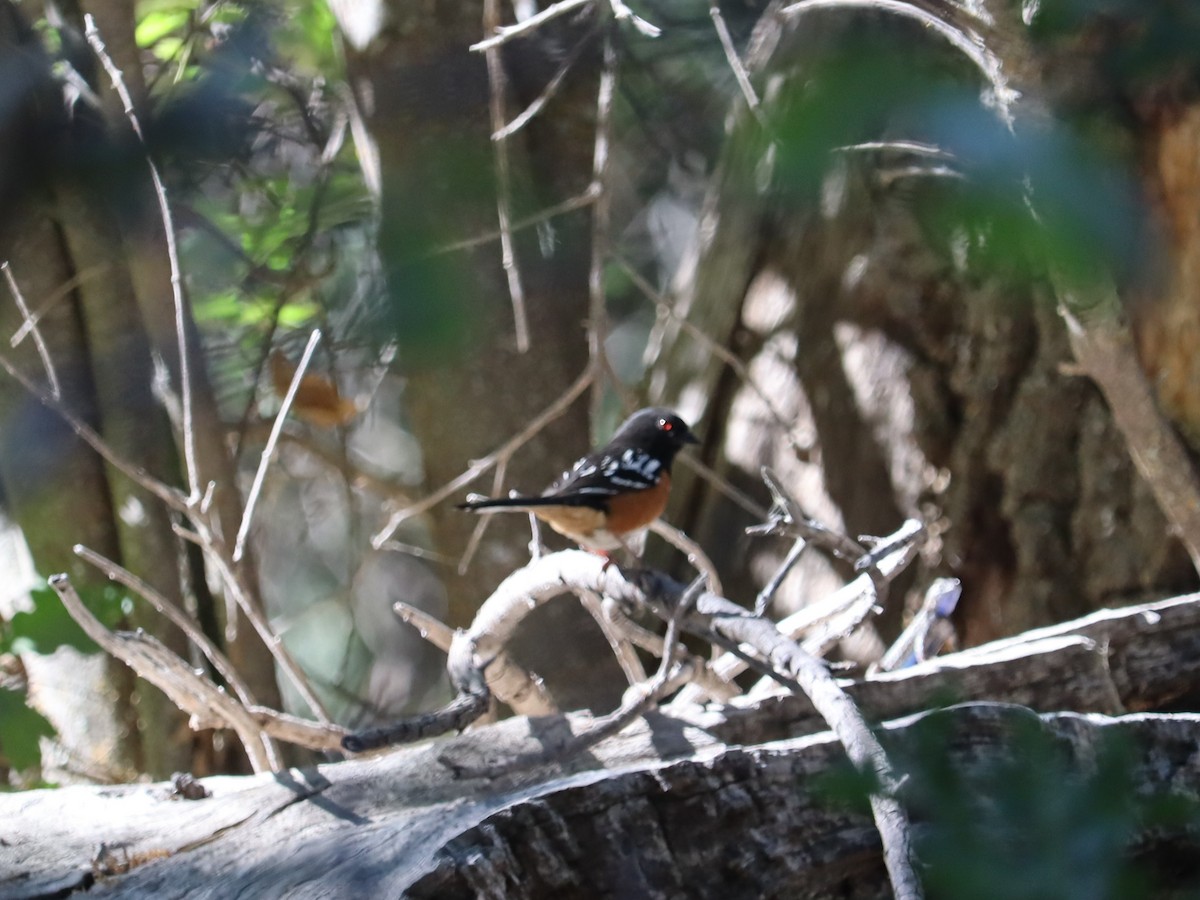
(601, 475)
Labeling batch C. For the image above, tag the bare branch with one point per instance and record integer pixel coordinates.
(236, 588)
(822, 623)
(29, 324)
(269, 450)
(167, 608)
(169, 495)
(620, 644)
(193, 694)
(705, 681)
(54, 297)
(583, 199)
(432, 629)
(712, 617)
(693, 551)
(480, 466)
(547, 93)
(621, 12)
(496, 107)
(601, 218)
(767, 594)
(735, 62)
(1104, 347)
(301, 732)
(508, 32)
(164, 208)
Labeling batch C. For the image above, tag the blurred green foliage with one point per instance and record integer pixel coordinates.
(43, 629)
(1018, 816)
(1024, 200)
(1134, 43)
(49, 626)
(23, 726)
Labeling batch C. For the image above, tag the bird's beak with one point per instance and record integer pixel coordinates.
(690, 438)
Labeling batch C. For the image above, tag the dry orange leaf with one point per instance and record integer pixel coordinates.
(317, 399)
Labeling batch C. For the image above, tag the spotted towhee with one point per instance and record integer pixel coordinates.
(612, 493)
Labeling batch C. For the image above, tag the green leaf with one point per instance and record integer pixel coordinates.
(20, 728)
(49, 626)
(157, 25)
(293, 315)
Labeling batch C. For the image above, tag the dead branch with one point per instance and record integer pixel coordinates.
(1103, 346)
(597, 325)
(165, 607)
(192, 693)
(164, 209)
(497, 108)
(508, 32)
(208, 705)
(269, 450)
(28, 323)
(481, 466)
(712, 617)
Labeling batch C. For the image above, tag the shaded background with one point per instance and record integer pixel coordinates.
(845, 283)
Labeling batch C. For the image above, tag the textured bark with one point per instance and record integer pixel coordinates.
(141, 292)
(64, 239)
(828, 286)
(649, 812)
(468, 389)
(54, 485)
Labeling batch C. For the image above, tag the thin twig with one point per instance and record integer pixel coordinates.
(735, 62)
(28, 322)
(52, 298)
(583, 199)
(496, 108)
(620, 644)
(193, 694)
(763, 600)
(236, 588)
(164, 208)
(714, 347)
(548, 92)
(477, 533)
(692, 550)
(508, 32)
(704, 679)
(269, 450)
(601, 217)
(429, 627)
(169, 495)
(621, 12)
(788, 518)
(480, 466)
(166, 607)
(723, 486)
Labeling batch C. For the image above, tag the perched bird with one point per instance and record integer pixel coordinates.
(613, 493)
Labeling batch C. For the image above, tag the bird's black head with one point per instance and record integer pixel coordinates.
(658, 431)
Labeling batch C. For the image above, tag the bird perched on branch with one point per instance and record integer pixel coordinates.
(613, 493)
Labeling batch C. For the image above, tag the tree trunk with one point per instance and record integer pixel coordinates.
(831, 278)
(469, 388)
(652, 810)
(65, 240)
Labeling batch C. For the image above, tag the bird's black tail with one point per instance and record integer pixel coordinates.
(476, 503)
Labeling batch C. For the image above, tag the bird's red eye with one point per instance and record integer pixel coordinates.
(664, 425)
